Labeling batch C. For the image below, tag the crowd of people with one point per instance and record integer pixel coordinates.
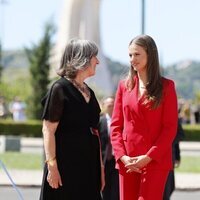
(116, 150)
(189, 112)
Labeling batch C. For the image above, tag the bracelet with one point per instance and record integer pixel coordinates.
(50, 160)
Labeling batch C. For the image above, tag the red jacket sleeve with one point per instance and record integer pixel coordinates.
(117, 125)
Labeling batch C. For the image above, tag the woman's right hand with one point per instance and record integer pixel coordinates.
(53, 176)
(126, 160)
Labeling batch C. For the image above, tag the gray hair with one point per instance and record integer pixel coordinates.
(77, 56)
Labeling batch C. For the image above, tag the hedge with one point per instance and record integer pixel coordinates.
(192, 132)
(33, 128)
(30, 128)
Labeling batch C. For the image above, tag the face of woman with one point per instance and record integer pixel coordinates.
(92, 67)
(138, 57)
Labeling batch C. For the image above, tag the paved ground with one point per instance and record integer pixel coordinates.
(32, 193)
(28, 193)
(186, 195)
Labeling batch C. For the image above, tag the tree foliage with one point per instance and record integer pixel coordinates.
(186, 76)
(20, 87)
(38, 57)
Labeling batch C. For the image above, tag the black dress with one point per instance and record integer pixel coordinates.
(77, 149)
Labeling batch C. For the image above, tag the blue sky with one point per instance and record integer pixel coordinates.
(174, 24)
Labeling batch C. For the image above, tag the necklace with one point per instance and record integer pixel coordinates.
(82, 88)
(142, 85)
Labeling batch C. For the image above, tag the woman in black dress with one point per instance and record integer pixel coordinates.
(73, 169)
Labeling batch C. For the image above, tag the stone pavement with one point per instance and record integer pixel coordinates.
(187, 181)
(184, 181)
(22, 177)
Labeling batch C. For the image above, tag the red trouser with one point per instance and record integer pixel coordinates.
(146, 186)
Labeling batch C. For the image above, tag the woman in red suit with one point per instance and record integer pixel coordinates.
(144, 124)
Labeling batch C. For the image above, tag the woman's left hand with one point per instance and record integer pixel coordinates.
(103, 182)
(138, 162)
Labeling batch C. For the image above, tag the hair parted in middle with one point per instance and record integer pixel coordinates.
(77, 56)
(154, 79)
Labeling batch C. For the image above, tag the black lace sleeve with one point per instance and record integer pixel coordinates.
(53, 103)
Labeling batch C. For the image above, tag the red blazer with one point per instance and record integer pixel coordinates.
(138, 130)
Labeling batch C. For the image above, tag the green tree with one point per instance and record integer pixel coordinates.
(38, 57)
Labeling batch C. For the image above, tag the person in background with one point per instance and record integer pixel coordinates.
(144, 124)
(74, 169)
(176, 156)
(3, 108)
(111, 189)
(18, 110)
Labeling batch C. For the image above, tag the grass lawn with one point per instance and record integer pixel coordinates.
(16, 160)
(189, 164)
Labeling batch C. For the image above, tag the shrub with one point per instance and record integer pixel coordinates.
(30, 128)
(33, 128)
(192, 132)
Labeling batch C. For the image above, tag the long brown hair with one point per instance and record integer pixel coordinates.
(154, 79)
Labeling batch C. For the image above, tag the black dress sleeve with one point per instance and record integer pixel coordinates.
(53, 103)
